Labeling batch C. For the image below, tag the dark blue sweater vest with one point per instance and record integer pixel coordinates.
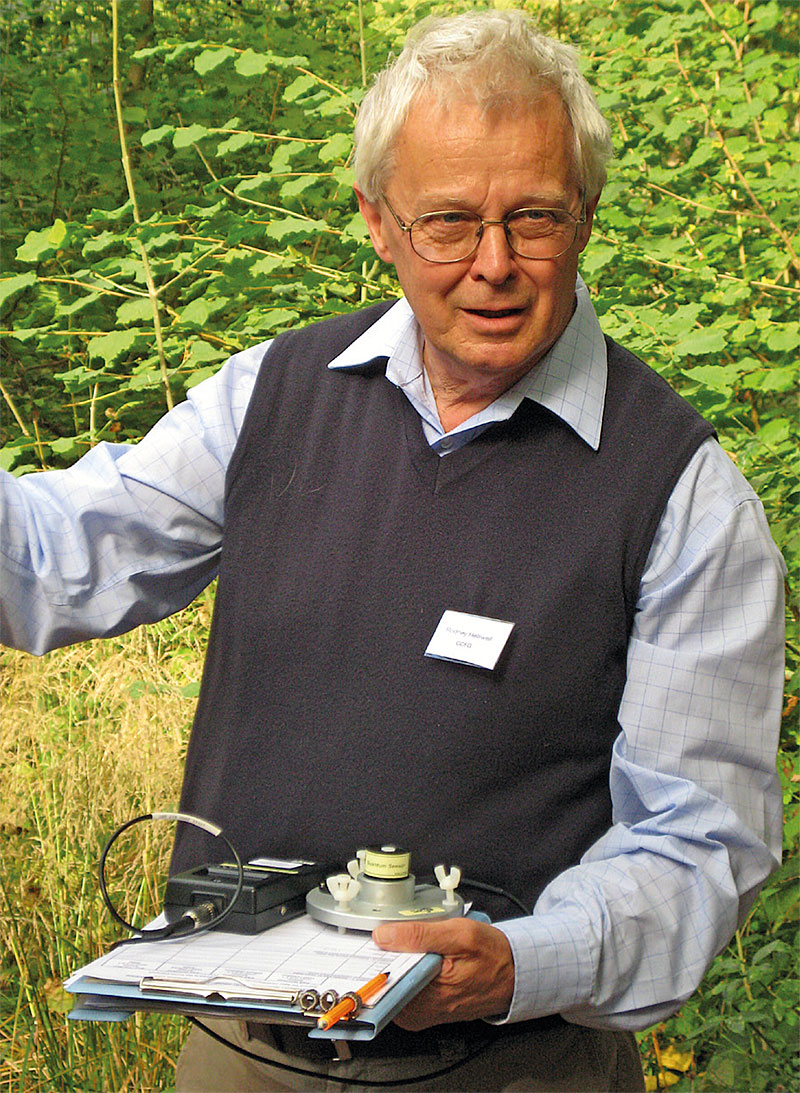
(321, 725)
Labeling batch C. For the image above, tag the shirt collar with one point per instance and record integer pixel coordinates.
(570, 380)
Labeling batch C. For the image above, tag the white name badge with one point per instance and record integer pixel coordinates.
(469, 639)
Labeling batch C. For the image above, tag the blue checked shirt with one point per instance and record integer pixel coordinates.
(131, 534)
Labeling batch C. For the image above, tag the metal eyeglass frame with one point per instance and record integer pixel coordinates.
(577, 221)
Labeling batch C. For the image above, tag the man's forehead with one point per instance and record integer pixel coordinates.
(445, 139)
(435, 124)
(449, 102)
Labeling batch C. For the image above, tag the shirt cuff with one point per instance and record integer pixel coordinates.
(553, 965)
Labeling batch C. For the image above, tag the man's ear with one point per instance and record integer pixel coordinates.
(585, 230)
(373, 216)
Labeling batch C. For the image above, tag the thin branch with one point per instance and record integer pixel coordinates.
(325, 83)
(186, 269)
(126, 166)
(39, 448)
(120, 291)
(273, 136)
(362, 44)
(12, 407)
(700, 205)
(93, 405)
(250, 200)
(59, 333)
(61, 155)
(627, 246)
(737, 50)
(734, 165)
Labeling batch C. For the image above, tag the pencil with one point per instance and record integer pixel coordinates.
(354, 1000)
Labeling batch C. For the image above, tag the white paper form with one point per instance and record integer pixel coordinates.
(297, 955)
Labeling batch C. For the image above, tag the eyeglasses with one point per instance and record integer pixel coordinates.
(452, 235)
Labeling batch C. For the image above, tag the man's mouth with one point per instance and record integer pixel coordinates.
(495, 313)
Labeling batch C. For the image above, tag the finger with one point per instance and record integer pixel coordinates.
(423, 937)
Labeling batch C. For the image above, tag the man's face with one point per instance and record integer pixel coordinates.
(488, 318)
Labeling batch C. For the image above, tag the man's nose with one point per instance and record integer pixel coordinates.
(493, 261)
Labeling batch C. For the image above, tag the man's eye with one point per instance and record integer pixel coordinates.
(450, 226)
(452, 216)
(547, 216)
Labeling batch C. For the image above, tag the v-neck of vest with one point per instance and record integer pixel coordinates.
(440, 472)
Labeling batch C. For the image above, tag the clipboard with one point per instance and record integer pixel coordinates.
(101, 994)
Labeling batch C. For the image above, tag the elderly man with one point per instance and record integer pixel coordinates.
(476, 447)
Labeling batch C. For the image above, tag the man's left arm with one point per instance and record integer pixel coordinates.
(622, 938)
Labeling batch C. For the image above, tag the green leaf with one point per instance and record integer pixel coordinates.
(778, 379)
(65, 445)
(720, 378)
(66, 311)
(134, 115)
(182, 49)
(279, 229)
(298, 87)
(596, 256)
(247, 185)
(110, 347)
(783, 337)
(267, 265)
(701, 342)
(201, 352)
(145, 380)
(78, 379)
(198, 377)
(680, 321)
(235, 143)
(705, 151)
(101, 244)
(155, 136)
(284, 154)
(13, 287)
(197, 313)
(204, 212)
(210, 59)
(108, 216)
(250, 63)
(272, 319)
(355, 228)
(344, 176)
(137, 310)
(338, 147)
(42, 244)
(160, 240)
(13, 451)
(295, 186)
(187, 135)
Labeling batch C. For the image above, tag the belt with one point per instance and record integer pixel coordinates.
(450, 1042)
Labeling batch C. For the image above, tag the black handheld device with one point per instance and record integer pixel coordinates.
(271, 892)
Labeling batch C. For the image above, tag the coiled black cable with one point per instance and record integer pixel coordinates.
(195, 919)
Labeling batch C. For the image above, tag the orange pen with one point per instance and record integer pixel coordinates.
(352, 1002)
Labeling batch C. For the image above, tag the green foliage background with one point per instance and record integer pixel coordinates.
(241, 223)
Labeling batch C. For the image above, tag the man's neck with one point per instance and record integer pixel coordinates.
(458, 399)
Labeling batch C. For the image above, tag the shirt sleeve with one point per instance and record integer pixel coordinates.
(622, 938)
(130, 533)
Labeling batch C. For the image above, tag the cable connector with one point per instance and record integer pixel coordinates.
(201, 914)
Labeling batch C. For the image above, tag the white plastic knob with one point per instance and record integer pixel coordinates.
(448, 882)
(343, 888)
(354, 867)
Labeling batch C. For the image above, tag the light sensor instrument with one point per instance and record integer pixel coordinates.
(380, 887)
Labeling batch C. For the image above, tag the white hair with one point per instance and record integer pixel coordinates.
(494, 58)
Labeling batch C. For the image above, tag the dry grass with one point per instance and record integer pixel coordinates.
(89, 737)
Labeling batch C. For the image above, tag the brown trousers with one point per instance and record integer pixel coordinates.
(556, 1058)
